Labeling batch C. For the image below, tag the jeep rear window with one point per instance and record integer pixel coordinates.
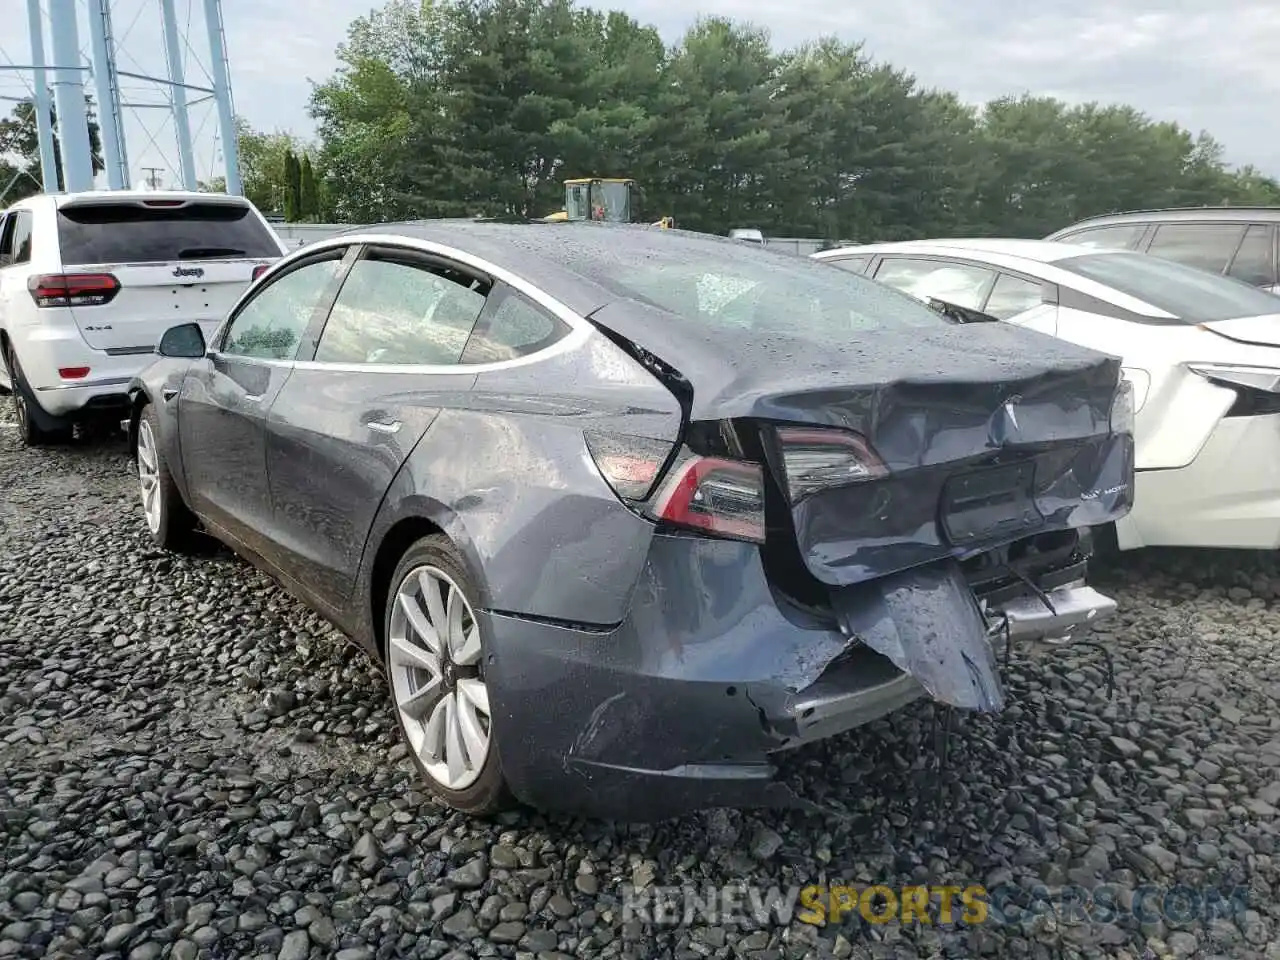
(131, 233)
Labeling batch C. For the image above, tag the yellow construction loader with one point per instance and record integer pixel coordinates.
(600, 198)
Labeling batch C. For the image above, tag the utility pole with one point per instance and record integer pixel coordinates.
(73, 123)
(153, 177)
(40, 99)
(222, 94)
(178, 93)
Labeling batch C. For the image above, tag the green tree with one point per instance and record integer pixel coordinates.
(458, 107)
(20, 148)
(292, 187)
(308, 198)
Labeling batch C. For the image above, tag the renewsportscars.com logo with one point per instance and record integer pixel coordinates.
(823, 905)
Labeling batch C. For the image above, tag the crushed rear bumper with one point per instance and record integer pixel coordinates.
(686, 703)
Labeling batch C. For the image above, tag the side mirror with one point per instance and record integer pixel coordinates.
(185, 341)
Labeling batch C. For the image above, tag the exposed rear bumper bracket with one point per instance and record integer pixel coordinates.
(1074, 605)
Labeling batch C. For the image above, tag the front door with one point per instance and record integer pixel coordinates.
(386, 363)
(227, 395)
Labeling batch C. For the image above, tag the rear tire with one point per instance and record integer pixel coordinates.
(169, 521)
(435, 656)
(35, 427)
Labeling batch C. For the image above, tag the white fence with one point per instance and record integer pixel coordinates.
(300, 234)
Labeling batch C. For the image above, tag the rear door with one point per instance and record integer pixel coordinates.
(388, 360)
(172, 260)
(225, 397)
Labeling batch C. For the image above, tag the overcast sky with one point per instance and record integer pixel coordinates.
(1206, 66)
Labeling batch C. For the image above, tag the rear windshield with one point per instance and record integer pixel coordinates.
(128, 233)
(1191, 295)
(734, 286)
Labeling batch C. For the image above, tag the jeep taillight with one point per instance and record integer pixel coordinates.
(73, 289)
(817, 458)
(259, 270)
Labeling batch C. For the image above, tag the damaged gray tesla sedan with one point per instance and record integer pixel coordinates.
(626, 512)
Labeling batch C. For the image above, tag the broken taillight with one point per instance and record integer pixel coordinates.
(73, 289)
(817, 458)
(716, 496)
(629, 464)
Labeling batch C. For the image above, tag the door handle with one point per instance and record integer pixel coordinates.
(168, 393)
(383, 426)
(252, 399)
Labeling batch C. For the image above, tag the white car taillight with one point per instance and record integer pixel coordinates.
(1141, 381)
(1122, 408)
(817, 458)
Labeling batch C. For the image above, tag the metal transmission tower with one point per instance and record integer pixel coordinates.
(155, 88)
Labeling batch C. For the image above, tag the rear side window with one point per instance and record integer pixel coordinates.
(1253, 262)
(958, 283)
(1120, 237)
(15, 239)
(135, 233)
(515, 329)
(1193, 296)
(1206, 246)
(396, 309)
(1012, 296)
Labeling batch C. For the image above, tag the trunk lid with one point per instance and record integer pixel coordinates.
(174, 260)
(1256, 331)
(984, 433)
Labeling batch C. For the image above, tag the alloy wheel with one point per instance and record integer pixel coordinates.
(149, 475)
(437, 677)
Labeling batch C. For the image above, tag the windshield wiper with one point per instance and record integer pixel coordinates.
(201, 253)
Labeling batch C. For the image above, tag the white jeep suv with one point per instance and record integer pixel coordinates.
(89, 282)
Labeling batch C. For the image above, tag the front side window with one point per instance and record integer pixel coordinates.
(1191, 295)
(961, 284)
(271, 325)
(1206, 246)
(852, 264)
(397, 309)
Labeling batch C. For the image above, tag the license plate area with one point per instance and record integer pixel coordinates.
(990, 503)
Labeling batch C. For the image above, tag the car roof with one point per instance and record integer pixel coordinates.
(87, 197)
(1176, 214)
(566, 258)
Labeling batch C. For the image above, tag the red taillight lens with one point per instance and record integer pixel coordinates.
(722, 497)
(73, 373)
(259, 270)
(73, 289)
(817, 458)
(629, 464)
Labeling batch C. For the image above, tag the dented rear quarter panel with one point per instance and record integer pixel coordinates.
(507, 476)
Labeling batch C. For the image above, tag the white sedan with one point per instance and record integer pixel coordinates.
(1202, 351)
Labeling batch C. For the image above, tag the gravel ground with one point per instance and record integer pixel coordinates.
(191, 764)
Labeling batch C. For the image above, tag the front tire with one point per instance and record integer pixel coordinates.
(169, 521)
(435, 660)
(35, 427)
